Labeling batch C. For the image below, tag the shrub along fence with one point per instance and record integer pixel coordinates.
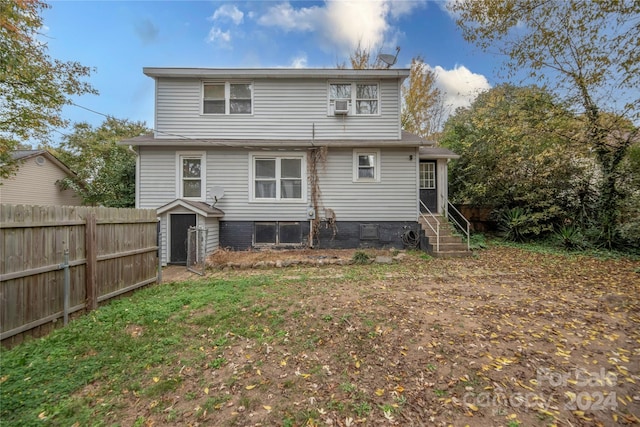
(102, 252)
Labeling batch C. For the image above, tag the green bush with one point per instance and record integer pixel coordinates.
(361, 258)
(571, 238)
(514, 223)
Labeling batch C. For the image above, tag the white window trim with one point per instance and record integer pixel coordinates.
(277, 155)
(227, 96)
(376, 167)
(202, 155)
(353, 99)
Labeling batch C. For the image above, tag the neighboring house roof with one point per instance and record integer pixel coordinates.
(275, 73)
(200, 208)
(408, 139)
(27, 154)
(437, 153)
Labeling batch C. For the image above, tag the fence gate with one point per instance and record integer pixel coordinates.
(196, 250)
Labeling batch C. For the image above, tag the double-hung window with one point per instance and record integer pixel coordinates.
(227, 98)
(362, 98)
(277, 177)
(366, 165)
(191, 175)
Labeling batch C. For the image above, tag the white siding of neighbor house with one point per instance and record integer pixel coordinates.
(393, 198)
(35, 184)
(282, 109)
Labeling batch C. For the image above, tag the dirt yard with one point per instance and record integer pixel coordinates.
(507, 338)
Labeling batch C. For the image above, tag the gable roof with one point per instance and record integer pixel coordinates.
(200, 208)
(22, 155)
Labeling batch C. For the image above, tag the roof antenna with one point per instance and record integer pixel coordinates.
(388, 59)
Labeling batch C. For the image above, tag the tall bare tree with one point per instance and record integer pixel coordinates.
(589, 53)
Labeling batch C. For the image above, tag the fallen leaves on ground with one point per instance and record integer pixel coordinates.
(506, 338)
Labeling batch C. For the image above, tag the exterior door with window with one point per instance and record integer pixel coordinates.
(180, 224)
(428, 191)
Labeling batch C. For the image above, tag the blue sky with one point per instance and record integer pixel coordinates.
(119, 38)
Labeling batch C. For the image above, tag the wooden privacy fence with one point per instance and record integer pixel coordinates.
(110, 251)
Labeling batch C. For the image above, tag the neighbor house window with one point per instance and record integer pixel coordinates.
(227, 98)
(428, 175)
(366, 165)
(191, 175)
(364, 96)
(277, 177)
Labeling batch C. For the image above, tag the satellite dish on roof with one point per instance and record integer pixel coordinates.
(388, 59)
(216, 193)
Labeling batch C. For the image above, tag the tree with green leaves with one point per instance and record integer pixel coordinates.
(33, 86)
(516, 157)
(589, 53)
(105, 170)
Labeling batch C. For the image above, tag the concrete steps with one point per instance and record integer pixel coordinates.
(451, 244)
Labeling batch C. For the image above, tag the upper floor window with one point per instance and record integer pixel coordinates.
(277, 177)
(191, 175)
(227, 98)
(361, 98)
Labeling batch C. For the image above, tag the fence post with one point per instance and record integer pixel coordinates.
(67, 285)
(92, 262)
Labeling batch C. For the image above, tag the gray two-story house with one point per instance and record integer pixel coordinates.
(285, 158)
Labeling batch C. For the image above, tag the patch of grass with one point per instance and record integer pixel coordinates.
(439, 393)
(46, 376)
(361, 409)
(348, 387)
(162, 386)
(217, 363)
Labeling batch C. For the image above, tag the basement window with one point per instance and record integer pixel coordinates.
(276, 233)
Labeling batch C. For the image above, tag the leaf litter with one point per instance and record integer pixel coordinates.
(506, 338)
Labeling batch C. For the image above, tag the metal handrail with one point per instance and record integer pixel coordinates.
(435, 230)
(455, 222)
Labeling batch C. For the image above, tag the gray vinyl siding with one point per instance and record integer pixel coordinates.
(282, 109)
(157, 177)
(226, 168)
(391, 199)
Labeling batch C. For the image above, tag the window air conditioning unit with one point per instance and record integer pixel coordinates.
(341, 107)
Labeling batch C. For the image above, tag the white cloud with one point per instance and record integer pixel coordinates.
(286, 17)
(228, 11)
(459, 85)
(217, 35)
(299, 61)
(341, 24)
